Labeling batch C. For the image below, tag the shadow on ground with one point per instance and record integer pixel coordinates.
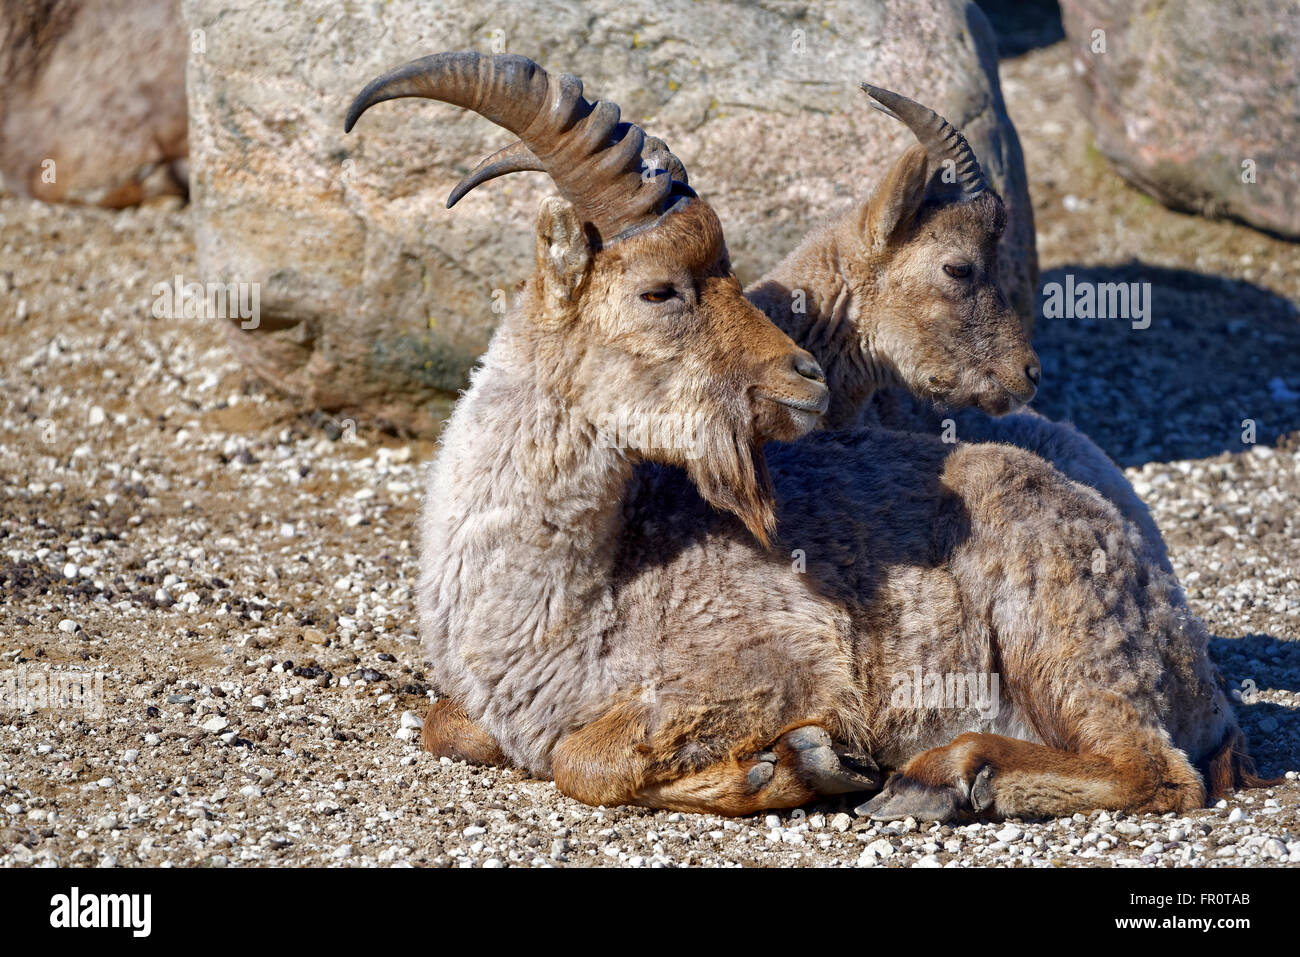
(1218, 356)
(1255, 663)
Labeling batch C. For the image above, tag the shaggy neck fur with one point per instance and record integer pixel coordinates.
(519, 539)
(831, 319)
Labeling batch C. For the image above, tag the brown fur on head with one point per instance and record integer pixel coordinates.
(653, 339)
(926, 272)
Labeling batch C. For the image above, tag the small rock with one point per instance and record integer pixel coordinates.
(1128, 829)
(67, 625)
(1010, 834)
(1235, 815)
(881, 848)
(411, 720)
(841, 822)
(215, 725)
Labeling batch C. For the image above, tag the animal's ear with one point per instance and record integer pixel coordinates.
(563, 253)
(895, 201)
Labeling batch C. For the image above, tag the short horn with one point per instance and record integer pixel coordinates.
(942, 141)
(518, 158)
(593, 157)
(515, 158)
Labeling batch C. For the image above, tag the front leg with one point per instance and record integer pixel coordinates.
(614, 761)
(993, 776)
(450, 733)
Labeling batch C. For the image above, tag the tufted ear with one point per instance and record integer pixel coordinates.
(563, 254)
(895, 201)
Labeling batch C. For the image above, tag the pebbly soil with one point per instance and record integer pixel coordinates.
(239, 570)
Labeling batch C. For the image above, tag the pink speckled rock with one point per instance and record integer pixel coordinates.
(93, 106)
(1196, 102)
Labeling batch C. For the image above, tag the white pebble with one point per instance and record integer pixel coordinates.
(1010, 834)
(68, 626)
(881, 848)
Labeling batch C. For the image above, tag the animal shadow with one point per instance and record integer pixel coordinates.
(1255, 663)
(1217, 367)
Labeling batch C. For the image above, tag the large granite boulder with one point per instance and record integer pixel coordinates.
(93, 109)
(1196, 102)
(373, 296)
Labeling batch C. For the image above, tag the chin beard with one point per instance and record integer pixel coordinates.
(731, 474)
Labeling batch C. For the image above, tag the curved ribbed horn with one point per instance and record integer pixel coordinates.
(942, 140)
(518, 158)
(593, 158)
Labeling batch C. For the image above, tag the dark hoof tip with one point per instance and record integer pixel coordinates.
(904, 797)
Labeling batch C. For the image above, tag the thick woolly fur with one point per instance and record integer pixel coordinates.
(618, 619)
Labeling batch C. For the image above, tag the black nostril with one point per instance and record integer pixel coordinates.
(1033, 373)
(807, 367)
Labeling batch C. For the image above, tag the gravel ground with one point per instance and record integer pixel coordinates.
(239, 570)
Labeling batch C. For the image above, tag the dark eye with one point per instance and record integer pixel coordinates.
(659, 295)
(961, 271)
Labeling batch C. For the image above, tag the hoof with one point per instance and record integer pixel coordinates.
(823, 769)
(981, 792)
(761, 773)
(904, 797)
